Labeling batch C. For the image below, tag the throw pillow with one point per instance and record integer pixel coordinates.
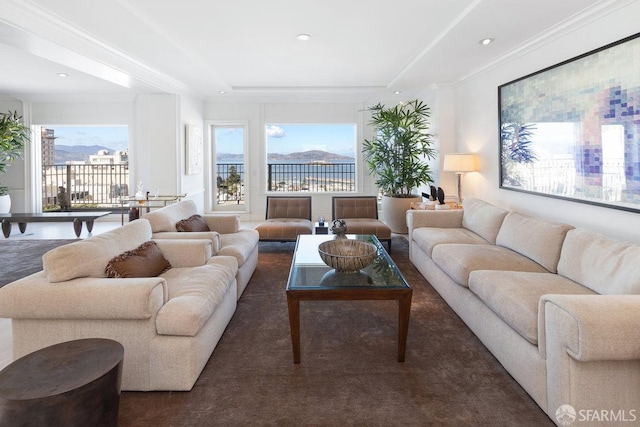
(193, 223)
(144, 261)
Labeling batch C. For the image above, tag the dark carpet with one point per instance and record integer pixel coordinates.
(349, 375)
(19, 258)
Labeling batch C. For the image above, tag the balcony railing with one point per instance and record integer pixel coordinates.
(102, 186)
(313, 177)
(88, 186)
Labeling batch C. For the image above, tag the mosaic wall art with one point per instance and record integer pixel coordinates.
(572, 131)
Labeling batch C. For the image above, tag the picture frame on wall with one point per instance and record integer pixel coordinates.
(194, 152)
(572, 130)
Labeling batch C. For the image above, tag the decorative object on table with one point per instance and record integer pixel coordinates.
(339, 228)
(440, 195)
(396, 156)
(347, 255)
(321, 221)
(592, 100)
(459, 163)
(63, 199)
(434, 193)
(14, 135)
(140, 194)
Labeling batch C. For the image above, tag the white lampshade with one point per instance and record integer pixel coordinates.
(459, 163)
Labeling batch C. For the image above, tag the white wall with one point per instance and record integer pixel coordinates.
(476, 123)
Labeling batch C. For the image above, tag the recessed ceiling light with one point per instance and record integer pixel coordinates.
(486, 41)
(63, 75)
(222, 92)
(303, 37)
(397, 92)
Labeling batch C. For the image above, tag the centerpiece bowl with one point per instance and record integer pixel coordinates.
(347, 255)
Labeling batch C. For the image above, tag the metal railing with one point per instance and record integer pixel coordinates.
(312, 177)
(88, 186)
(102, 186)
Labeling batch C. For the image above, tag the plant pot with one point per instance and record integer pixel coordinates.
(5, 203)
(394, 211)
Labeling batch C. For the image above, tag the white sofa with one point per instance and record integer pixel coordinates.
(558, 306)
(226, 235)
(169, 325)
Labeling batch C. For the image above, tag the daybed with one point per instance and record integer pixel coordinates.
(223, 230)
(168, 324)
(558, 306)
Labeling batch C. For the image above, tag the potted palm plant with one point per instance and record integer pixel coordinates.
(14, 134)
(397, 156)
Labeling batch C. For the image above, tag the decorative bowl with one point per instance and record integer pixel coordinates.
(347, 255)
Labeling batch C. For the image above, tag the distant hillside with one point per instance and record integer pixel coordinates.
(76, 153)
(302, 157)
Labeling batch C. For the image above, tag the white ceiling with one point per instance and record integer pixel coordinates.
(359, 50)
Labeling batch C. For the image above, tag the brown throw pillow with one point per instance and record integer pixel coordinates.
(144, 261)
(193, 223)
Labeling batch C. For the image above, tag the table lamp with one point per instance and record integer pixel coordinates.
(459, 163)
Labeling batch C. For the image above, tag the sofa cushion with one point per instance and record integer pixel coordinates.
(427, 238)
(483, 218)
(284, 228)
(194, 295)
(457, 260)
(144, 261)
(239, 245)
(88, 258)
(194, 223)
(534, 238)
(605, 265)
(514, 296)
(165, 219)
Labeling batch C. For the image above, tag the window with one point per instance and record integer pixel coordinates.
(230, 183)
(311, 157)
(90, 162)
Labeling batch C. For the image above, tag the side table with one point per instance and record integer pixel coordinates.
(74, 383)
(321, 229)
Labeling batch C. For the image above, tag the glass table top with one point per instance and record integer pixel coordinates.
(308, 271)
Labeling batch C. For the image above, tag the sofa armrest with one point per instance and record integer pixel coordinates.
(434, 219)
(591, 327)
(223, 224)
(34, 297)
(186, 252)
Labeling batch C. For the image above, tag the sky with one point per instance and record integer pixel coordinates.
(113, 137)
(293, 138)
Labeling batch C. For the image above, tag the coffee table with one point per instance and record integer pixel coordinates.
(310, 279)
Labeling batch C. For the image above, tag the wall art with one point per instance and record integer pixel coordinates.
(572, 131)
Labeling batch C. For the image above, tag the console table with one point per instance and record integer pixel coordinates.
(134, 205)
(76, 217)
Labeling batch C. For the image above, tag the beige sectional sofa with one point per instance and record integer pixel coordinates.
(169, 325)
(225, 234)
(558, 306)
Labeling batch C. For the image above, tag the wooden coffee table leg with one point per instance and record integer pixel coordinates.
(6, 228)
(294, 324)
(403, 324)
(77, 226)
